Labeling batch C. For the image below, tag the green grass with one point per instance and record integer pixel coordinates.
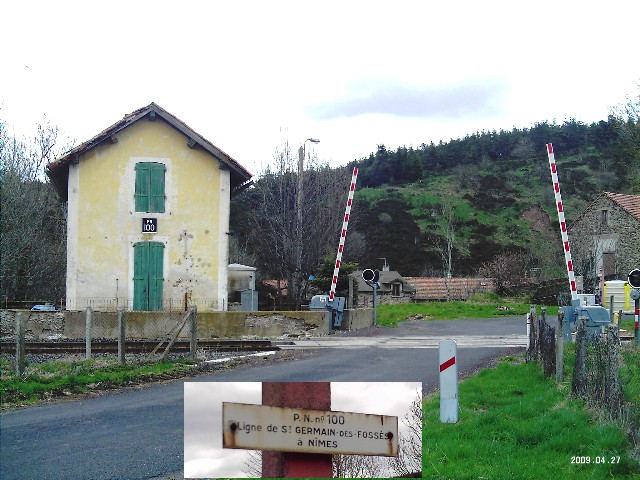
(478, 307)
(516, 424)
(54, 379)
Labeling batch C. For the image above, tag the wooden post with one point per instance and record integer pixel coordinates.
(87, 339)
(175, 336)
(579, 385)
(613, 389)
(21, 325)
(560, 347)
(121, 337)
(309, 395)
(194, 332)
(611, 298)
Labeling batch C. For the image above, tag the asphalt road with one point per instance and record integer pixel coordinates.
(138, 433)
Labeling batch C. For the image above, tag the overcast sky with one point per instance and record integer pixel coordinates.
(203, 452)
(249, 75)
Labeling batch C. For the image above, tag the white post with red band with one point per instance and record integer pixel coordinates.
(563, 225)
(448, 381)
(343, 234)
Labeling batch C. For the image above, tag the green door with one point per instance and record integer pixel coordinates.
(147, 275)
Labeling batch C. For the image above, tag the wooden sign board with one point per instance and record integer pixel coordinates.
(261, 427)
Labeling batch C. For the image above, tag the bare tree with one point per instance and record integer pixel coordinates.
(265, 218)
(33, 224)
(507, 270)
(409, 460)
(408, 463)
(445, 238)
(626, 120)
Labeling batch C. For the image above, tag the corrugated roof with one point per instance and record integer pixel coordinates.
(58, 170)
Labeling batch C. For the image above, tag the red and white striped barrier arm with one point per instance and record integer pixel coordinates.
(563, 224)
(343, 234)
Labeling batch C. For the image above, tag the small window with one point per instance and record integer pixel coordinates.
(149, 192)
(604, 218)
(395, 289)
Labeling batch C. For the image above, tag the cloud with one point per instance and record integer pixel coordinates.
(476, 98)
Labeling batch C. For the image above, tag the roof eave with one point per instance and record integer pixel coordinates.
(58, 170)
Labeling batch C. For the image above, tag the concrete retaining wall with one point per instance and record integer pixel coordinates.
(151, 325)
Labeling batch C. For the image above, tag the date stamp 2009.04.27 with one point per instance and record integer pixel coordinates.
(598, 459)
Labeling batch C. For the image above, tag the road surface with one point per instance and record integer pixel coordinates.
(138, 433)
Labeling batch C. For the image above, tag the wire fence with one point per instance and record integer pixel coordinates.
(113, 304)
(596, 368)
(97, 328)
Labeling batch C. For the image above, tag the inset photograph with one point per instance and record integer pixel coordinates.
(302, 429)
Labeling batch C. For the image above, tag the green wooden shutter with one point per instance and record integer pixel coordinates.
(150, 187)
(148, 279)
(156, 187)
(142, 187)
(156, 279)
(141, 276)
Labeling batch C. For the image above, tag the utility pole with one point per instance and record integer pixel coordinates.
(299, 196)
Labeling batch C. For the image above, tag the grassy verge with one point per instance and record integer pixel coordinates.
(59, 379)
(478, 307)
(516, 424)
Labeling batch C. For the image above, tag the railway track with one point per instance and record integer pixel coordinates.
(136, 346)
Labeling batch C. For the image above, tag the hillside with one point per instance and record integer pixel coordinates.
(451, 207)
(489, 194)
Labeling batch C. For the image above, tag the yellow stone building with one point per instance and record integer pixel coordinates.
(147, 216)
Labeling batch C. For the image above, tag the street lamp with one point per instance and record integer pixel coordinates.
(299, 191)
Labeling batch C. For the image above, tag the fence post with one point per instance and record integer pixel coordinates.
(579, 384)
(87, 340)
(194, 332)
(560, 347)
(619, 321)
(613, 390)
(121, 336)
(542, 321)
(21, 325)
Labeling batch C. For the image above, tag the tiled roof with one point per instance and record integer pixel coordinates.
(631, 203)
(459, 288)
(284, 286)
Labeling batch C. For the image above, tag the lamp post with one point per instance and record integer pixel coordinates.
(299, 191)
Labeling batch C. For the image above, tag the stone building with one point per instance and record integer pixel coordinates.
(606, 235)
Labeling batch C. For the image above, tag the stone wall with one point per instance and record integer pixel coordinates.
(152, 325)
(40, 325)
(620, 234)
(366, 300)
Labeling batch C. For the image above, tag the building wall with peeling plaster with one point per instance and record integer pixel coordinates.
(103, 225)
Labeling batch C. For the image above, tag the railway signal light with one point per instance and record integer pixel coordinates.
(370, 276)
(634, 278)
